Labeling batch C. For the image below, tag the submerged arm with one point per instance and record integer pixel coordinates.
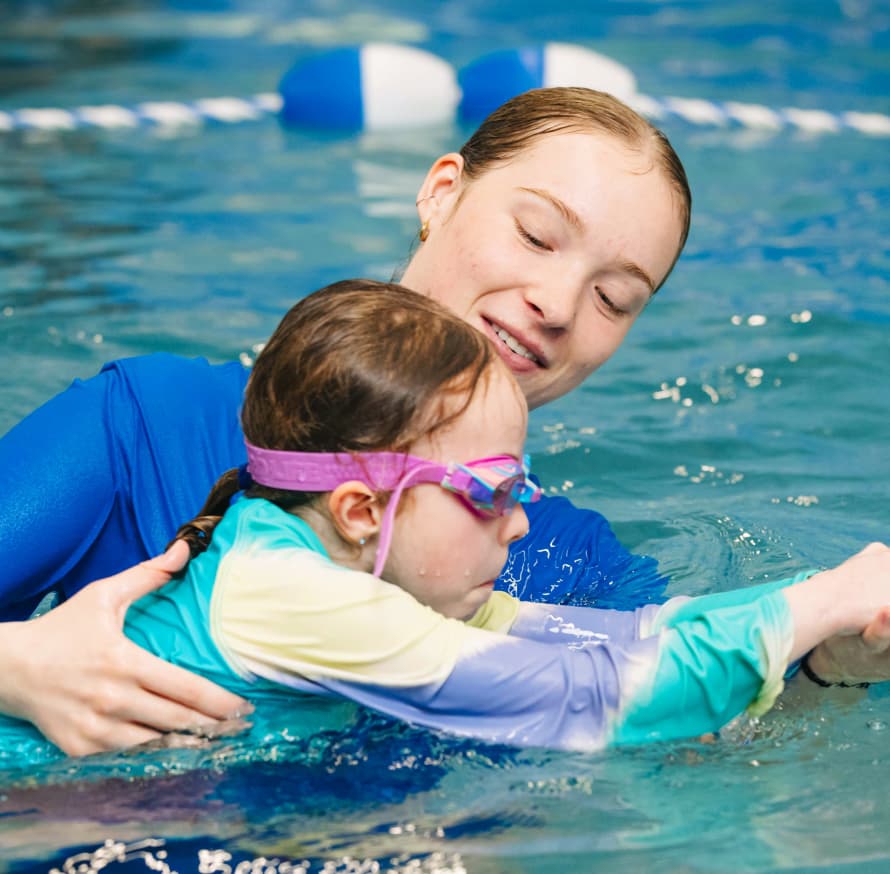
(572, 556)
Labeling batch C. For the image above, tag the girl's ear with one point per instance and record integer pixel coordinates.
(440, 188)
(355, 511)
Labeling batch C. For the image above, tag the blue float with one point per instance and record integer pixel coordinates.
(495, 78)
(375, 86)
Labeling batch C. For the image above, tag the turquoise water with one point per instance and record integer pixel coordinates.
(741, 433)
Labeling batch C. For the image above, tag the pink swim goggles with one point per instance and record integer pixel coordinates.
(487, 486)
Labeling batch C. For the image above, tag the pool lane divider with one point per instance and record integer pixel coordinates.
(382, 86)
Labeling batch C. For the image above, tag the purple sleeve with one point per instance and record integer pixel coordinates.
(567, 625)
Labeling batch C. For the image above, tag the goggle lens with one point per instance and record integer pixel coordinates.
(486, 496)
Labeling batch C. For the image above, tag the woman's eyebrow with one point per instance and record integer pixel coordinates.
(637, 271)
(565, 210)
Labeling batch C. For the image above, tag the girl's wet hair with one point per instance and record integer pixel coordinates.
(519, 123)
(358, 366)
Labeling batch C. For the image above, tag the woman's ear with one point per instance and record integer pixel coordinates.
(355, 511)
(440, 188)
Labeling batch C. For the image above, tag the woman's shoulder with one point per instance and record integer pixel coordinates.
(165, 371)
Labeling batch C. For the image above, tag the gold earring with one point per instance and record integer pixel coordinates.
(424, 232)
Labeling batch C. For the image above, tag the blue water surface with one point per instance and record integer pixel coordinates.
(740, 434)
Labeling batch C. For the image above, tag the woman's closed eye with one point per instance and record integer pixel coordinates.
(609, 303)
(531, 239)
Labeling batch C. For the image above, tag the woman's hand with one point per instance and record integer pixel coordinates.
(846, 600)
(73, 673)
(858, 658)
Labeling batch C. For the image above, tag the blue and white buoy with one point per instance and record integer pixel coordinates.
(370, 87)
(495, 78)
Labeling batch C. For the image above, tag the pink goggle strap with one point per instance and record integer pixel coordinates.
(324, 471)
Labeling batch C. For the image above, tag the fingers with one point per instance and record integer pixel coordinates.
(144, 710)
(876, 635)
(174, 559)
(133, 583)
(180, 698)
(101, 736)
(120, 712)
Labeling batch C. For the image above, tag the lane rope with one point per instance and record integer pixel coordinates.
(227, 110)
(387, 86)
(233, 110)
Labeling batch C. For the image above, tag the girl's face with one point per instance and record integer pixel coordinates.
(442, 553)
(553, 255)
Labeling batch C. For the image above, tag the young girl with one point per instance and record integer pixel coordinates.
(385, 481)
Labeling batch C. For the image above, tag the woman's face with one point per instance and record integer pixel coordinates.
(553, 255)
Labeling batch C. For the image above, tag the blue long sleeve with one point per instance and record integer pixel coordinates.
(572, 556)
(102, 475)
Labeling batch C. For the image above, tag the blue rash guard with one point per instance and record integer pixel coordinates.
(101, 476)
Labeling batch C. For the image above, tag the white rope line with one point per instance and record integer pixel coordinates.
(227, 110)
(233, 110)
(754, 115)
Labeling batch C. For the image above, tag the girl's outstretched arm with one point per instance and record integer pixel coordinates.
(697, 664)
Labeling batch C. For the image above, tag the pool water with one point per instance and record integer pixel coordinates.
(740, 434)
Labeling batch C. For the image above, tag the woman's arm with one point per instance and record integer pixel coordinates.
(97, 479)
(73, 674)
(572, 556)
(58, 488)
(847, 658)
(101, 476)
(851, 660)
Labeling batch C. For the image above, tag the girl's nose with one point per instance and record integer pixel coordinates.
(515, 525)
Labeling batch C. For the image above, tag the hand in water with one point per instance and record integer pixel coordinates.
(865, 657)
(73, 673)
(855, 658)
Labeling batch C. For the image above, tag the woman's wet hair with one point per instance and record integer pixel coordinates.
(519, 123)
(359, 366)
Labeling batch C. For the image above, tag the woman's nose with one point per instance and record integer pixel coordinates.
(556, 302)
